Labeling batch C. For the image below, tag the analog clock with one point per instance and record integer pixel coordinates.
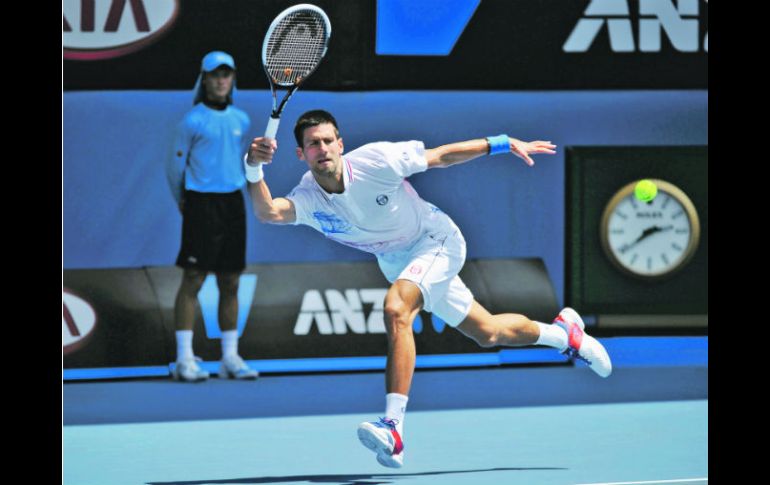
(650, 240)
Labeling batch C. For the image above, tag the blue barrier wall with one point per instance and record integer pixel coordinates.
(118, 211)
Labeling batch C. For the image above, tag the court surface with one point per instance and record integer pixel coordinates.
(559, 425)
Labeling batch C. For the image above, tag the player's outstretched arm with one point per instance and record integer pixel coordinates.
(454, 153)
(267, 209)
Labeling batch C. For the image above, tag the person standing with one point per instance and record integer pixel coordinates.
(206, 176)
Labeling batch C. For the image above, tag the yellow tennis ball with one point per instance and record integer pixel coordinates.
(645, 190)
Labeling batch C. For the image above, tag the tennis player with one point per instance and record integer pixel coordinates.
(362, 200)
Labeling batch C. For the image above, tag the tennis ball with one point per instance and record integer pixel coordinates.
(645, 190)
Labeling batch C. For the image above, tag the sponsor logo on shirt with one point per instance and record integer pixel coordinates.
(382, 199)
(331, 224)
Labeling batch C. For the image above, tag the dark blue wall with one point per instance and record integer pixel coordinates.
(118, 211)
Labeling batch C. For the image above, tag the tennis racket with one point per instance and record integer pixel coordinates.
(293, 47)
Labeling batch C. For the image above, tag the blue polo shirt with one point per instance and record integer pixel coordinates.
(208, 150)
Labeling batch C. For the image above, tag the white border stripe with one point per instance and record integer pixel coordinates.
(653, 481)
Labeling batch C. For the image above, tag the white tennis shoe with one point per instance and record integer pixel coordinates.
(582, 346)
(188, 370)
(382, 438)
(235, 368)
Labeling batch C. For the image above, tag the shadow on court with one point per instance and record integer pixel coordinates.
(354, 479)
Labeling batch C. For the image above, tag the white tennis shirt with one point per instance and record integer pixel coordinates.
(379, 211)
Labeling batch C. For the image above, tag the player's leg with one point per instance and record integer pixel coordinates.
(385, 437)
(507, 329)
(420, 276)
(566, 334)
(402, 303)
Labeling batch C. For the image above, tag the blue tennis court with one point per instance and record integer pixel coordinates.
(548, 424)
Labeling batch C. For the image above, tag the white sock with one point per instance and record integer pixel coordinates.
(552, 336)
(395, 408)
(184, 349)
(229, 343)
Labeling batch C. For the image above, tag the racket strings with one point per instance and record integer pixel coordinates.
(297, 55)
(295, 47)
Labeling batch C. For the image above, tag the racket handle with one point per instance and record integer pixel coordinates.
(272, 127)
(270, 132)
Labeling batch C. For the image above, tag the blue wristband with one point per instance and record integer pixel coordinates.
(498, 144)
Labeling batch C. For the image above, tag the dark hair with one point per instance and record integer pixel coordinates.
(313, 118)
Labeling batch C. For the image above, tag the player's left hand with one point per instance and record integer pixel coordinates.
(522, 149)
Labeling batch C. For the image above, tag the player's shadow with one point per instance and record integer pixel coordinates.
(351, 479)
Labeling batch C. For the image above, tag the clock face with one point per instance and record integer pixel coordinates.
(650, 239)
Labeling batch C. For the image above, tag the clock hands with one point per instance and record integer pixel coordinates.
(645, 234)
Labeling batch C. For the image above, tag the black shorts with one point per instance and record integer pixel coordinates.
(213, 232)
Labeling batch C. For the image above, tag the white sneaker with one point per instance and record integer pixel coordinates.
(188, 370)
(236, 368)
(382, 438)
(581, 345)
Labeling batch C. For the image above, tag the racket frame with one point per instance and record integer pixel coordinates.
(272, 125)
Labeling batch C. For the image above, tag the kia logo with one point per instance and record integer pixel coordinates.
(102, 29)
(78, 320)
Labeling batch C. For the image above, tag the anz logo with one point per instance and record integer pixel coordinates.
(433, 27)
(680, 22)
(335, 312)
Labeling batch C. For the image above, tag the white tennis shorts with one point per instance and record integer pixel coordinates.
(433, 263)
